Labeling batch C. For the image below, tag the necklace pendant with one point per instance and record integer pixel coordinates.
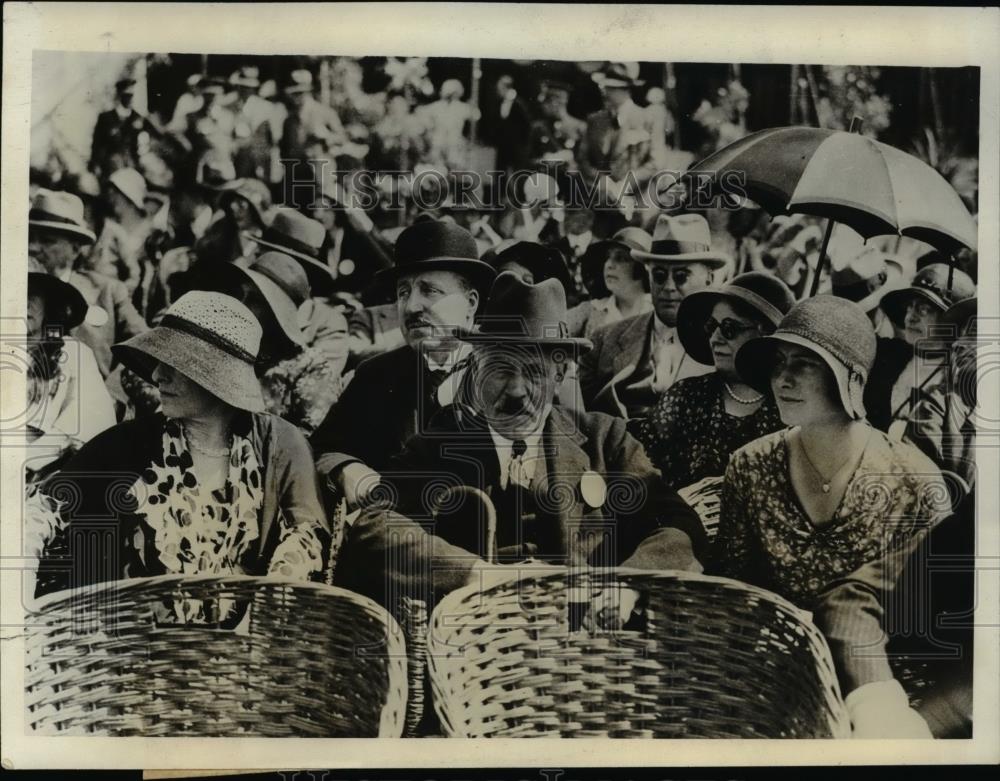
(826, 488)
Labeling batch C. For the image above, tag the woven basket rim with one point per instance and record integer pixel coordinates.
(538, 571)
(126, 585)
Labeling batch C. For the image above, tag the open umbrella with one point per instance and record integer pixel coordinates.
(846, 177)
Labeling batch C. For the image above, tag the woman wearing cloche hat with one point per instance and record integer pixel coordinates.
(699, 421)
(822, 511)
(222, 487)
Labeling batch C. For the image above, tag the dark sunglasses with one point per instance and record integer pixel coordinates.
(660, 275)
(730, 328)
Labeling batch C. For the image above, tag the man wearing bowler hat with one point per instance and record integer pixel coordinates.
(58, 235)
(439, 283)
(551, 473)
(635, 360)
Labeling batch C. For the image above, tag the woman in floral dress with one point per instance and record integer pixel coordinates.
(699, 421)
(210, 485)
(826, 511)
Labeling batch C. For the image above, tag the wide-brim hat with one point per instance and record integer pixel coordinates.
(930, 284)
(64, 304)
(684, 238)
(210, 338)
(764, 293)
(131, 184)
(519, 313)
(299, 81)
(246, 77)
(281, 307)
(438, 245)
(302, 238)
(867, 278)
(254, 192)
(59, 212)
(837, 330)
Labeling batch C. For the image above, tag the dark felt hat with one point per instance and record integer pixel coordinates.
(542, 261)
(64, 304)
(302, 238)
(764, 293)
(519, 313)
(431, 245)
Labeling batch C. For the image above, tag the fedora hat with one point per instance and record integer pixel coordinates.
(214, 84)
(132, 185)
(837, 330)
(302, 238)
(60, 212)
(519, 313)
(254, 192)
(684, 238)
(438, 245)
(210, 338)
(299, 81)
(867, 277)
(543, 262)
(618, 74)
(64, 304)
(930, 284)
(247, 76)
(764, 293)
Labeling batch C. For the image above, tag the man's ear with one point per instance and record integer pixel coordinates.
(474, 299)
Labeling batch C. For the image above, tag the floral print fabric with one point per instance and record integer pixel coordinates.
(689, 435)
(765, 538)
(200, 532)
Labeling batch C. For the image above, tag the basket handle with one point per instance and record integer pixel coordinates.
(491, 514)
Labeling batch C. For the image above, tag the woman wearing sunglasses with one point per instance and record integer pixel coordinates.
(826, 511)
(699, 421)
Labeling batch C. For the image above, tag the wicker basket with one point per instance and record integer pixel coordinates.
(304, 660)
(707, 657)
(705, 498)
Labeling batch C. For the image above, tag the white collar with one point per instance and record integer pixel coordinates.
(122, 111)
(662, 331)
(456, 355)
(532, 454)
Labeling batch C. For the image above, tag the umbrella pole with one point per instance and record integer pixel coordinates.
(821, 263)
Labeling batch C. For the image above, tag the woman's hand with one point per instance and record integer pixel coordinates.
(882, 710)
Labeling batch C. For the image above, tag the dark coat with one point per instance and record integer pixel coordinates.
(115, 141)
(891, 357)
(640, 524)
(377, 413)
(93, 486)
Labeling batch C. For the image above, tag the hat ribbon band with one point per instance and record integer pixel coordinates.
(38, 215)
(673, 247)
(206, 335)
(290, 242)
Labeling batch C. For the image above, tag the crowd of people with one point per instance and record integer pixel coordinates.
(252, 359)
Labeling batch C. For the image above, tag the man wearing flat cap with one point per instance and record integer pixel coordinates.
(635, 360)
(555, 477)
(116, 138)
(439, 283)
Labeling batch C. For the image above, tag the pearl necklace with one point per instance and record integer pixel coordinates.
(738, 399)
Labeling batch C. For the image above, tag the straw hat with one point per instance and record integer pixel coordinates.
(132, 185)
(248, 76)
(254, 192)
(618, 74)
(767, 295)
(299, 81)
(210, 338)
(684, 238)
(59, 212)
(519, 313)
(837, 330)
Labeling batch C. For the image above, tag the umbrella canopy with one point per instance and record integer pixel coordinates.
(872, 187)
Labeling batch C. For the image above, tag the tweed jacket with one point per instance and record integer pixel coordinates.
(635, 521)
